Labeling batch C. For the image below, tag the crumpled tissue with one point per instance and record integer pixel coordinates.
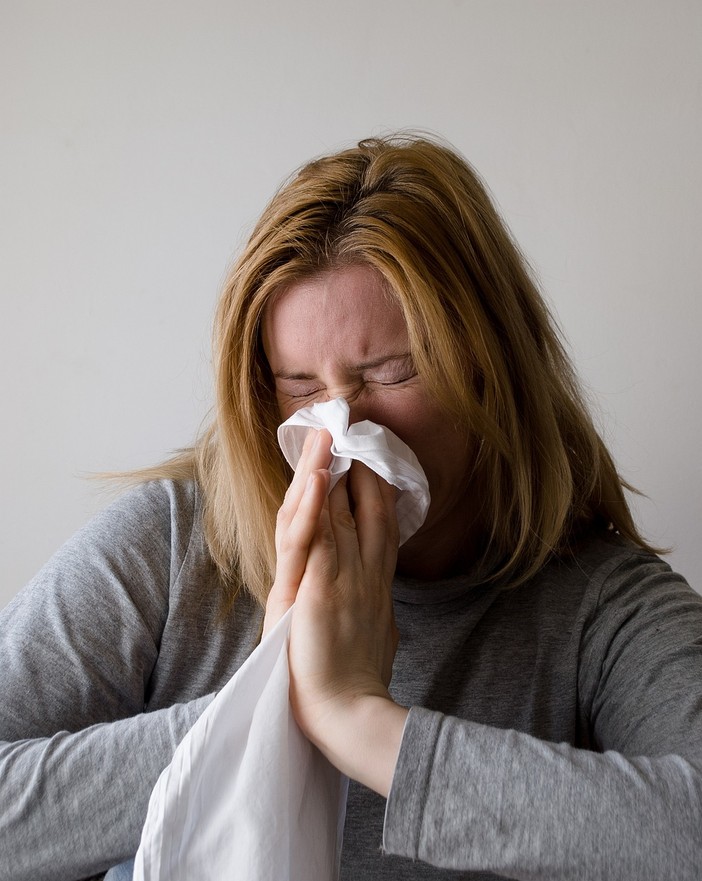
(246, 795)
(374, 445)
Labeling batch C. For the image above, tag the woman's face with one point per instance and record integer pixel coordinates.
(340, 334)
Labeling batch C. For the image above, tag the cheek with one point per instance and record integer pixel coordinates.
(416, 421)
(288, 404)
(286, 407)
(444, 452)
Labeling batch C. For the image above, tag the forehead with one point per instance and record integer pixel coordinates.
(346, 314)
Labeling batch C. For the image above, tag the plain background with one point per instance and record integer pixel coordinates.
(140, 141)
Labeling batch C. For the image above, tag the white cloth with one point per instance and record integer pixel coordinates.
(374, 445)
(246, 796)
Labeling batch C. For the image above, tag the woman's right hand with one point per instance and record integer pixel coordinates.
(307, 493)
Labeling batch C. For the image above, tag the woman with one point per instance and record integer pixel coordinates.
(551, 661)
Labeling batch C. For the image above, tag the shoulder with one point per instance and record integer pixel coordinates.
(604, 568)
(619, 575)
(165, 505)
(607, 586)
(129, 555)
(87, 630)
(636, 631)
(156, 519)
(637, 601)
(641, 656)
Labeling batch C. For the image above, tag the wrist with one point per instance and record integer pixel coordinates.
(362, 739)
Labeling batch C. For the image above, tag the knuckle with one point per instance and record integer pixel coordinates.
(289, 543)
(345, 520)
(283, 516)
(380, 512)
(285, 545)
(322, 570)
(328, 570)
(325, 536)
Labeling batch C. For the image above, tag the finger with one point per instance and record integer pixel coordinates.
(316, 455)
(299, 514)
(376, 520)
(294, 546)
(343, 526)
(322, 564)
(295, 540)
(390, 494)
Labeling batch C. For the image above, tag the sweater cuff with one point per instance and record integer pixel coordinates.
(405, 804)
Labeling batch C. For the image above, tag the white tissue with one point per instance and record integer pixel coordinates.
(246, 795)
(374, 445)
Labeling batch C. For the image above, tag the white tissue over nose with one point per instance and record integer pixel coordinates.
(374, 445)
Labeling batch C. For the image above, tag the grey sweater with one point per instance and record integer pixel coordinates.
(556, 729)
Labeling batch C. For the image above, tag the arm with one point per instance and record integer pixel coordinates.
(473, 797)
(79, 757)
(476, 797)
(74, 804)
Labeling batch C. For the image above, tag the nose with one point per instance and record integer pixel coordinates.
(359, 406)
(362, 408)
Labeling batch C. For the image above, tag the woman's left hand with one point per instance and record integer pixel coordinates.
(343, 635)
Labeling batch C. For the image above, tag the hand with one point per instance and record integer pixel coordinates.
(338, 568)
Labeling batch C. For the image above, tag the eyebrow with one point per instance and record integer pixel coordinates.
(364, 365)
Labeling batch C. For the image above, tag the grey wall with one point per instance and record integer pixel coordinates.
(140, 140)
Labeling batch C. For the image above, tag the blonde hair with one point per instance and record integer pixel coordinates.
(480, 333)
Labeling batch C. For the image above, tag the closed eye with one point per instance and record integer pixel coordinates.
(392, 372)
(390, 382)
(301, 395)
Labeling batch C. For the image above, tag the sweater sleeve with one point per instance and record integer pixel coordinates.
(78, 755)
(468, 796)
